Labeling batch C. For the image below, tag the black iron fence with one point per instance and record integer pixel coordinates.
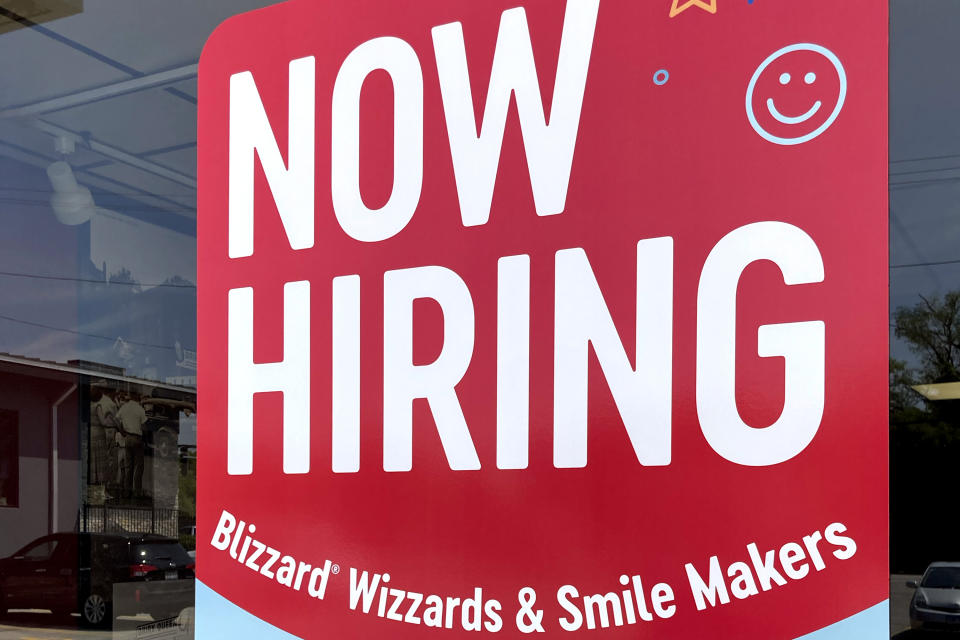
(111, 519)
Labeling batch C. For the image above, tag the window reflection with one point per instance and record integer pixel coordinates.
(924, 315)
(98, 421)
(97, 270)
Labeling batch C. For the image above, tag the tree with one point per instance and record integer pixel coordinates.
(124, 276)
(932, 329)
(924, 435)
(902, 397)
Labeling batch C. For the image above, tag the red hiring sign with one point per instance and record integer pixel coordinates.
(560, 317)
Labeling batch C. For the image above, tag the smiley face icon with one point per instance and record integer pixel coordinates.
(796, 94)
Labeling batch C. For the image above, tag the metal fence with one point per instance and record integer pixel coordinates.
(109, 519)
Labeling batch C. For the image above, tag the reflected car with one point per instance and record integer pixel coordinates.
(936, 602)
(90, 573)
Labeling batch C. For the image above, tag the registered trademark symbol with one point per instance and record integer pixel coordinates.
(335, 568)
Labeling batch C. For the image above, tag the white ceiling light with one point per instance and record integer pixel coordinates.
(72, 203)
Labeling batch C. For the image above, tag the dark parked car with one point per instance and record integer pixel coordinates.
(71, 572)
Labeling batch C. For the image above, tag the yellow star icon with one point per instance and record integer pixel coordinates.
(710, 6)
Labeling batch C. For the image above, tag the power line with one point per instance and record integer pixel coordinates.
(908, 183)
(905, 173)
(81, 333)
(37, 276)
(943, 157)
(924, 264)
(106, 193)
(180, 209)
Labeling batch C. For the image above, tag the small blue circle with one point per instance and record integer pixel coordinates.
(660, 77)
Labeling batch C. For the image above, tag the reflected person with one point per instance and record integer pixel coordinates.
(131, 418)
(104, 412)
(99, 451)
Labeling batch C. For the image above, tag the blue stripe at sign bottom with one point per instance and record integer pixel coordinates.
(870, 624)
(218, 618)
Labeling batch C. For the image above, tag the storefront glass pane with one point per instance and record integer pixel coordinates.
(98, 309)
(924, 313)
(98, 414)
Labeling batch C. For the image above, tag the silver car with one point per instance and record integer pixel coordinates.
(936, 603)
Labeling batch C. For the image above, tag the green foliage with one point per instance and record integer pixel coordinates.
(188, 487)
(189, 542)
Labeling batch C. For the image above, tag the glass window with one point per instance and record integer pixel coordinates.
(942, 578)
(9, 459)
(924, 312)
(98, 428)
(39, 551)
(98, 422)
